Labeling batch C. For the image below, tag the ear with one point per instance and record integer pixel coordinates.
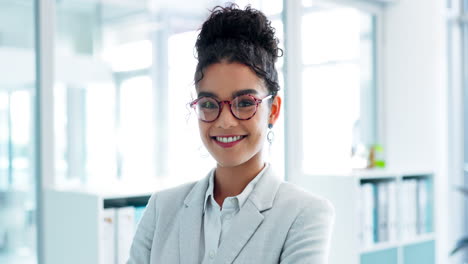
(275, 110)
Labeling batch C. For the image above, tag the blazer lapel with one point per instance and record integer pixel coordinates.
(191, 223)
(243, 227)
(249, 217)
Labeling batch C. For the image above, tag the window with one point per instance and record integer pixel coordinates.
(21, 138)
(136, 135)
(100, 135)
(104, 123)
(338, 86)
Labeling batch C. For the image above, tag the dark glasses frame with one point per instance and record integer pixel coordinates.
(257, 101)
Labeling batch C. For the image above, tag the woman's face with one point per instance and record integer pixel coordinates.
(224, 81)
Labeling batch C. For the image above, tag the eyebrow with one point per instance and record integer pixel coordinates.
(237, 93)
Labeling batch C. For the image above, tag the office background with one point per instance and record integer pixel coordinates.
(94, 93)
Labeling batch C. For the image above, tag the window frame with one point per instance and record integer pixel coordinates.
(293, 13)
(464, 80)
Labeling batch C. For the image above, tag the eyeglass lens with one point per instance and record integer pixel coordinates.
(242, 107)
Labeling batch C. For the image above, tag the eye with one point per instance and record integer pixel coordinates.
(245, 103)
(208, 104)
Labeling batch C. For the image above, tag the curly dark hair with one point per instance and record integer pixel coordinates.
(245, 36)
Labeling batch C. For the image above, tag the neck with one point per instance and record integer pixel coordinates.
(231, 181)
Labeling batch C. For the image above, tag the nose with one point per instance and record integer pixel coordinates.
(226, 119)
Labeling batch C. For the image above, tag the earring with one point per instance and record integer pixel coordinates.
(271, 134)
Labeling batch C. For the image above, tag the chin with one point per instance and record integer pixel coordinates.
(229, 162)
(234, 160)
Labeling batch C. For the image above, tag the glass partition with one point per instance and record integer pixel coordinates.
(17, 131)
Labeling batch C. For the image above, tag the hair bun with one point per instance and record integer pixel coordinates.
(233, 24)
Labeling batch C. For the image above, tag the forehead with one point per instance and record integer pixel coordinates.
(224, 79)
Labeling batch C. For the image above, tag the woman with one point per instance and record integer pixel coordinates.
(240, 212)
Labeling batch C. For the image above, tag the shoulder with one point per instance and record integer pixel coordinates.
(299, 201)
(172, 196)
(169, 199)
(311, 223)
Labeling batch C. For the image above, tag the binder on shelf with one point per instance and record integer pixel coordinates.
(413, 223)
(404, 205)
(392, 211)
(414, 207)
(108, 237)
(125, 229)
(382, 211)
(379, 212)
(422, 205)
(368, 214)
(430, 206)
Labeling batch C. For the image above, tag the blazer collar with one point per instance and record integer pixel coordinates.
(242, 197)
(191, 224)
(262, 195)
(265, 190)
(243, 226)
(197, 194)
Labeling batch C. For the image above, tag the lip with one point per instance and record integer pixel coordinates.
(230, 144)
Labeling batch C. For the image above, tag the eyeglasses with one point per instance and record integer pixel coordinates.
(243, 107)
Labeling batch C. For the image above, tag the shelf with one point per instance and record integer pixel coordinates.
(352, 191)
(394, 244)
(91, 210)
(383, 256)
(420, 239)
(379, 246)
(115, 190)
(420, 252)
(372, 174)
(137, 201)
(416, 175)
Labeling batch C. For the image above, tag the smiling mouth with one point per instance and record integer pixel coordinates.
(229, 139)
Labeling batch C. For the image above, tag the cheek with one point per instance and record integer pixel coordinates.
(203, 129)
(264, 115)
(260, 123)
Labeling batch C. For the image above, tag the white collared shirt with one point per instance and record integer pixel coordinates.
(216, 220)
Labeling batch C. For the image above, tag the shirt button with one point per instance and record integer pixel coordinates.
(212, 254)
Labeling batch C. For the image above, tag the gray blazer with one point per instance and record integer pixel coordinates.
(279, 223)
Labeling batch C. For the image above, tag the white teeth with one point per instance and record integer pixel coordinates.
(228, 139)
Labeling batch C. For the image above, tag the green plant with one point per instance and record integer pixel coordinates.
(463, 242)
